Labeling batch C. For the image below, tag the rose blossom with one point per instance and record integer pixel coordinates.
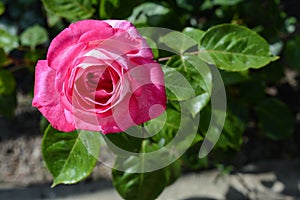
(99, 76)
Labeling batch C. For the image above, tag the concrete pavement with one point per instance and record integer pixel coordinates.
(272, 180)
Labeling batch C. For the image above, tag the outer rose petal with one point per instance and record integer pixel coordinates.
(47, 99)
(127, 26)
(77, 31)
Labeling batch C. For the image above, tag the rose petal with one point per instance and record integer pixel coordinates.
(144, 50)
(76, 33)
(47, 99)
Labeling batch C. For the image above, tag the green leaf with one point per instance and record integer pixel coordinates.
(292, 52)
(173, 172)
(226, 2)
(116, 9)
(189, 5)
(234, 77)
(196, 104)
(168, 126)
(275, 119)
(178, 87)
(194, 33)
(8, 41)
(7, 82)
(124, 141)
(70, 157)
(192, 76)
(149, 13)
(8, 104)
(191, 82)
(174, 124)
(234, 48)
(70, 9)
(232, 133)
(53, 19)
(145, 185)
(153, 46)
(2, 8)
(3, 57)
(178, 42)
(34, 36)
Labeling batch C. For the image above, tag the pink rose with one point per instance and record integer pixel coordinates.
(99, 76)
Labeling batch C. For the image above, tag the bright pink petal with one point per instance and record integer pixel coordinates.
(64, 63)
(148, 89)
(76, 33)
(47, 99)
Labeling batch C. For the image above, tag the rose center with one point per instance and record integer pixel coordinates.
(100, 81)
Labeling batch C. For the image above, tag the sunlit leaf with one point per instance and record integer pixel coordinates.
(194, 33)
(234, 48)
(178, 42)
(70, 157)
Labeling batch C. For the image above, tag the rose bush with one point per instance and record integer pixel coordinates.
(99, 76)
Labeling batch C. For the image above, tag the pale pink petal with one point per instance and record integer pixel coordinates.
(144, 50)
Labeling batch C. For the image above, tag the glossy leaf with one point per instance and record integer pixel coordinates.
(34, 36)
(70, 157)
(178, 42)
(168, 126)
(8, 41)
(275, 119)
(234, 48)
(174, 124)
(7, 82)
(193, 84)
(194, 70)
(70, 9)
(152, 44)
(194, 33)
(178, 84)
(146, 185)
